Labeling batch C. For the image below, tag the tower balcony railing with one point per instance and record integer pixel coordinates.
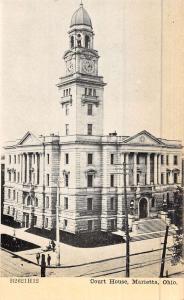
(90, 99)
(66, 99)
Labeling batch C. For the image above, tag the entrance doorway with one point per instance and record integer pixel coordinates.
(143, 208)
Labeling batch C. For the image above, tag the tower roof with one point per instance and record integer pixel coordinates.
(81, 17)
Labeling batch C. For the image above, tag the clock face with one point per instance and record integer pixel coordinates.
(88, 66)
(70, 67)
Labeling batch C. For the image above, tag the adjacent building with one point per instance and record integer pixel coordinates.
(85, 165)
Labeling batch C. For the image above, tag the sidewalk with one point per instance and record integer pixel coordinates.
(73, 256)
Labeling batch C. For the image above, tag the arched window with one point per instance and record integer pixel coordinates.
(79, 40)
(87, 41)
(28, 200)
(72, 42)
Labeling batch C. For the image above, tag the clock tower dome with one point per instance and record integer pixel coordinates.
(81, 88)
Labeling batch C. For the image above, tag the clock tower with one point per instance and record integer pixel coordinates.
(81, 88)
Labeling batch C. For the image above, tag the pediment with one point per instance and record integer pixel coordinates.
(29, 139)
(143, 138)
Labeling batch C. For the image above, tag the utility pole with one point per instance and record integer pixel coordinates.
(126, 224)
(164, 252)
(57, 226)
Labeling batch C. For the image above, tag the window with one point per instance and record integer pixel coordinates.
(18, 159)
(90, 180)
(153, 202)
(48, 159)
(90, 158)
(86, 91)
(112, 159)
(67, 129)
(90, 109)
(162, 178)
(112, 203)
(167, 178)
(9, 176)
(14, 176)
(162, 159)
(138, 178)
(72, 42)
(66, 92)
(46, 202)
(90, 127)
(9, 159)
(63, 93)
(66, 158)
(66, 180)
(65, 223)
(112, 180)
(66, 202)
(18, 176)
(14, 159)
(138, 160)
(87, 40)
(9, 193)
(90, 92)
(47, 179)
(175, 160)
(46, 222)
(34, 220)
(175, 178)
(13, 194)
(113, 224)
(90, 225)
(94, 93)
(167, 159)
(66, 109)
(36, 202)
(28, 200)
(89, 204)
(8, 210)
(69, 91)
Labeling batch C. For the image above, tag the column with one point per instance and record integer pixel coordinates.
(135, 168)
(159, 168)
(127, 169)
(36, 167)
(28, 159)
(148, 169)
(24, 167)
(155, 168)
(120, 195)
(165, 169)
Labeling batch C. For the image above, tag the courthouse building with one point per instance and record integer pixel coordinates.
(84, 164)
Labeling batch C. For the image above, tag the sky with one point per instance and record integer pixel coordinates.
(141, 58)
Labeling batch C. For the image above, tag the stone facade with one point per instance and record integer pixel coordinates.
(85, 167)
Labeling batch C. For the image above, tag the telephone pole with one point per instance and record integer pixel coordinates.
(126, 224)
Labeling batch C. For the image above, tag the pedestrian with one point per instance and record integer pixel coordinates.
(48, 259)
(43, 266)
(38, 258)
(53, 245)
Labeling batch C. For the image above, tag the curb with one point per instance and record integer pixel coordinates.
(79, 265)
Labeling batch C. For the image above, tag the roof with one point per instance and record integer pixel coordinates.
(81, 17)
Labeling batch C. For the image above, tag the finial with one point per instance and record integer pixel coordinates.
(81, 4)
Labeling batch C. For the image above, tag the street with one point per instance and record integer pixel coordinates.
(143, 265)
(11, 266)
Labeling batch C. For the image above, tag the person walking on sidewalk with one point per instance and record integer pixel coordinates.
(43, 266)
(53, 245)
(38, 258)
(48, 259)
